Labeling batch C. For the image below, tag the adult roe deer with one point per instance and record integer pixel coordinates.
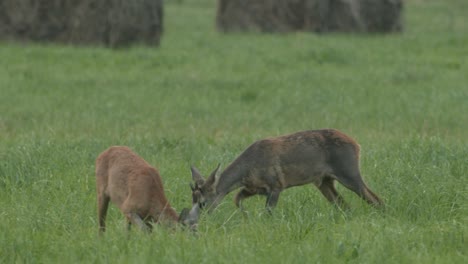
(136, 188)
(269, 166)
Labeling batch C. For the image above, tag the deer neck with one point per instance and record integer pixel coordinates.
(169, 214)
(230, 179)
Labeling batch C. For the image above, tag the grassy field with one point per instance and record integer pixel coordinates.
(201, 98)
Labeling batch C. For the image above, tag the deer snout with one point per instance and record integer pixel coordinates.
(190, 217)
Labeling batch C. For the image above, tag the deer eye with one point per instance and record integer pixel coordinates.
(202, 205)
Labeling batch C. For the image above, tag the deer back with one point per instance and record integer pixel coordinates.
(281, 162)
(132, 184)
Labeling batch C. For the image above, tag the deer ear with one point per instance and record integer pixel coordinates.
(213, 177)
(196, 176)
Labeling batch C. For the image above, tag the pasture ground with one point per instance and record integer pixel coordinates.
(201, 98)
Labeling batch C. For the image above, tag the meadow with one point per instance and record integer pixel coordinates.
(200, 99)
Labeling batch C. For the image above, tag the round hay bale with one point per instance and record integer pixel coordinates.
(135, 21)
(382, 15)
(32, 19)
(309, 15)
(113, 23)
(343, 16)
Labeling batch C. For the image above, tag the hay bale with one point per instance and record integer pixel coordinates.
(135, 21)
(113, 23)
(382, 15)
(31, 19)
(342, 15)
(309, 15)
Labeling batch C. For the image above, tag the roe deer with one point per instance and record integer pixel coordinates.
(137, 189)
(271, 165)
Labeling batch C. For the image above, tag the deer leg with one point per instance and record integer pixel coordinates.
(272, 199)
(241, 195)
(149, 225)
(356, 185)
(327, 188)
(135, 219)
(370, 197)
(103, 204)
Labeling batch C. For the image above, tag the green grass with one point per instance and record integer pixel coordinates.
(201, 98)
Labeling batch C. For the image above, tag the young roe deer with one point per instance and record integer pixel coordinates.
(269, 166)
(137, 189)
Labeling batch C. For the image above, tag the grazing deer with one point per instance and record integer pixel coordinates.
(269, 166)
(137, 189)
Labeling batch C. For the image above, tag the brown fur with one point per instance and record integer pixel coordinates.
(134, 186)
(269, 166)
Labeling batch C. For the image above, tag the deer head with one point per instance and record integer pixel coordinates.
(204, 191)
(189, 218)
